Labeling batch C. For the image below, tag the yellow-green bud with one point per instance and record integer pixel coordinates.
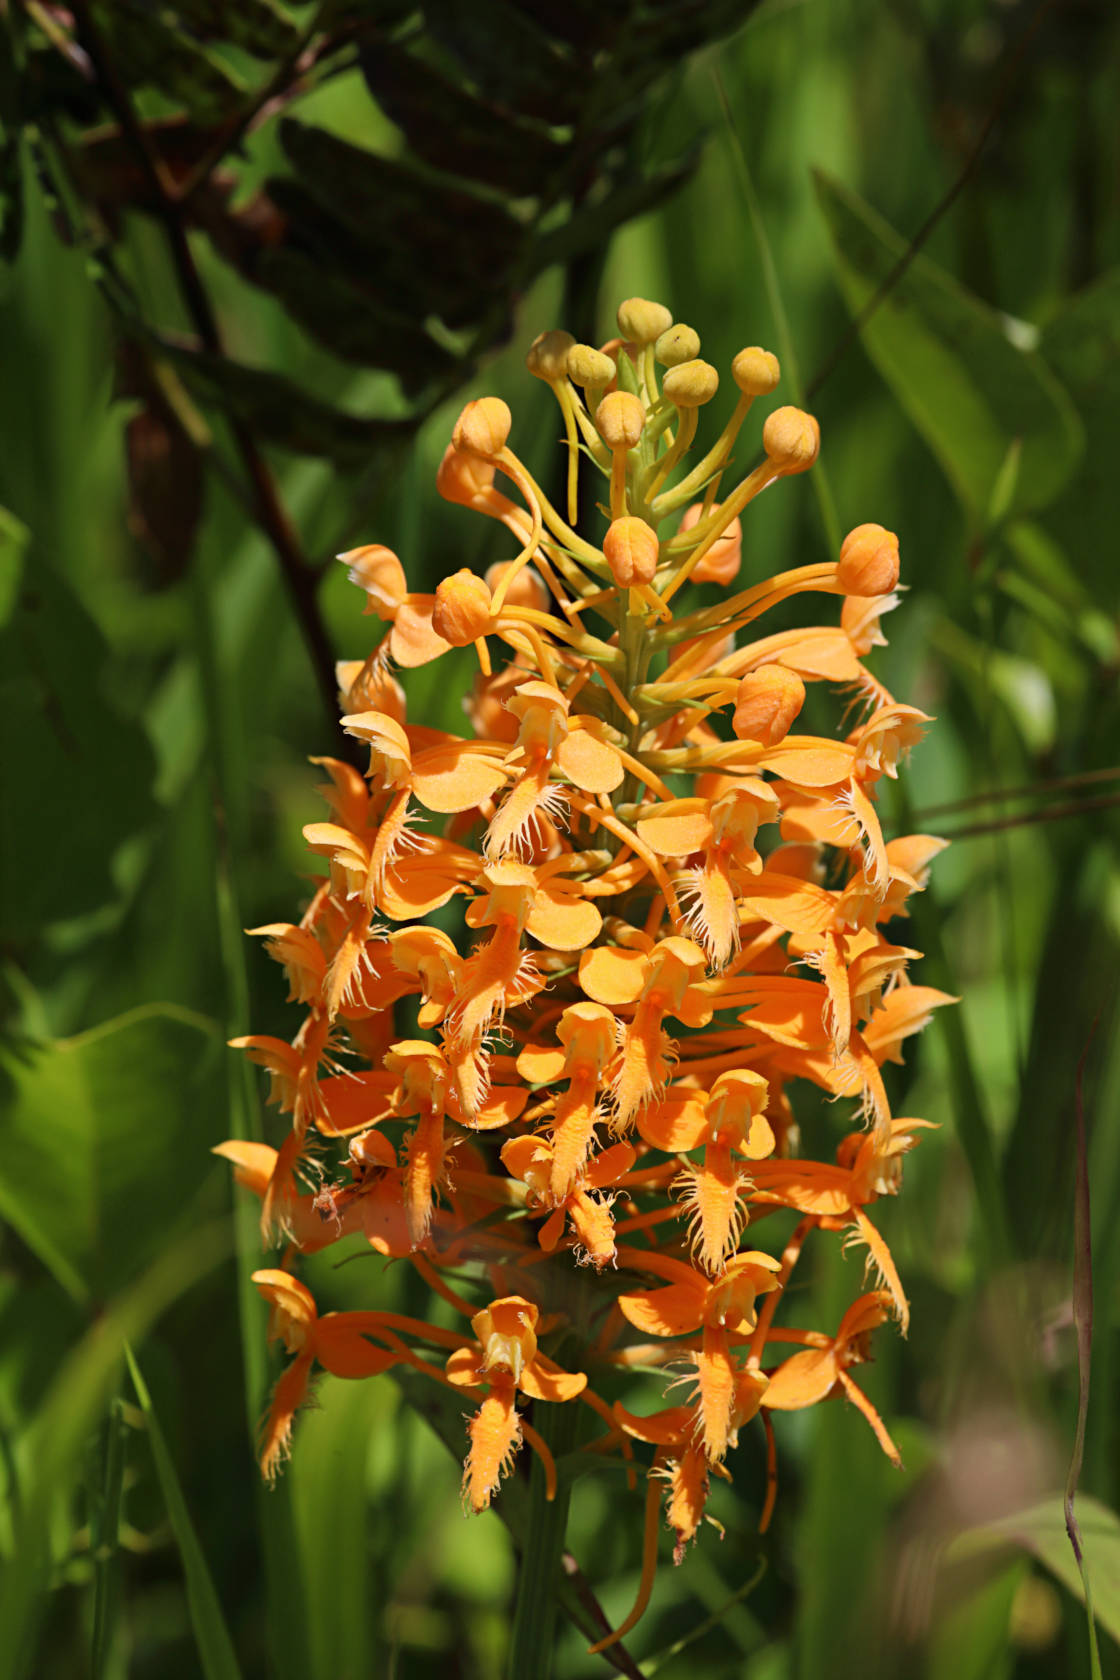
(690, 385)
(643, 321)
(676, 345)
(755, 371)
(590, 367)
(620, 418)
(548, 355)
(792, 439)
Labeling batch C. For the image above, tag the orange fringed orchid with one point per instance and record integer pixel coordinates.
(663, 908)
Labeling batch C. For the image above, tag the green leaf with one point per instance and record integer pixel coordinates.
(56, 1439)
(1041, 1531)
(970, 391)
(66, 751)
(148, 50)
(215, 1647)
(420, 244)
(507, 53)
(279, 412)
(259, 27)
(1082, 344)
(594, 224)
(103, 1143)
(969, 1639)
(334, 311)
(451, 129)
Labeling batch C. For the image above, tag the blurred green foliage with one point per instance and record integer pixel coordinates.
(182, 456)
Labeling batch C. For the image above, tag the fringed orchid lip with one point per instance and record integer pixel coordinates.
(631, 897)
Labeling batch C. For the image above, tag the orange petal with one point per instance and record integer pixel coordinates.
(344, 1352)
(542, 1381)
(678, 1122)
(802, 1380)
(252, 1163)
(540, 1065)
(610, 975)
(675, 1311)
(678, 827)
(562, 920)
(809, 762)
(463, 1368)
(591, 763)
(413, 640)
(503, 1105)
(451, 777)
(353, 1101)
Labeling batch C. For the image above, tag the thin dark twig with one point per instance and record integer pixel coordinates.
(1006, 87)
(270, 511)
(617, 1654)
(1049, 813)
(998, 796)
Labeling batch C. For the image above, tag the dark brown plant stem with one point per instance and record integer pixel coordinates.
(270, 511)
(616, 1655)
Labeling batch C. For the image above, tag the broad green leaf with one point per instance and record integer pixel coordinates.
(75, 1402)
(589, 227)
(454, 130)
(148, 50)
(215, 1647)
(418, 243)
(78, 773)
(970, 391)
(260, 27)
(1041, 1531)
(103, 1143)
(280, 413)
(342, 317)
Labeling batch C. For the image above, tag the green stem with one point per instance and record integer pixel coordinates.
(532, 1643)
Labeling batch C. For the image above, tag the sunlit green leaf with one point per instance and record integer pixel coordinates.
(1041, 1530)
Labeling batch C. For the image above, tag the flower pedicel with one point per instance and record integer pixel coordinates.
(673, 912)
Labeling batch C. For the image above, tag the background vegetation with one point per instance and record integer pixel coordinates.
(231, 346)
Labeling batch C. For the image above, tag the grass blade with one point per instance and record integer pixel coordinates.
(215, 1647)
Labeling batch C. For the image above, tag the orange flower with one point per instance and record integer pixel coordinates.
(674, 906)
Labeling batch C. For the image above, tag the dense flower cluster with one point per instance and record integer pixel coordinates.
(673, 908)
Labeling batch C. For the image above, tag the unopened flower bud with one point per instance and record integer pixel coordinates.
(868, 561)
(722, 561)
(461, 613)
(766, 704)
(526, 590)
(643, 321)
(376, 569)
(676, 345)
(589, 368)
(792, 439)
(755, 371)
(548, 355)
(483, 427)
(691, 384)
(460, 478)
(630, 548)
(620, 418)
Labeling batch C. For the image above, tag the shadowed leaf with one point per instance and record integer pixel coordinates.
(102, 1139)
(948, 358)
